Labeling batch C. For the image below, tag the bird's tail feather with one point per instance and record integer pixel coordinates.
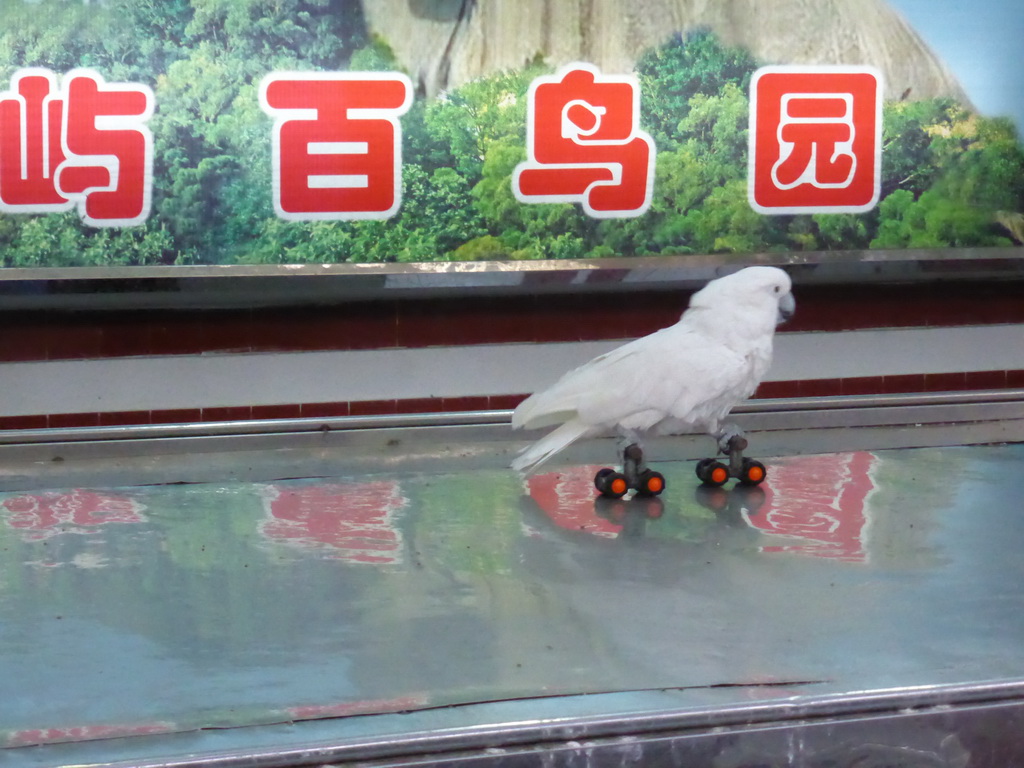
(534, 455)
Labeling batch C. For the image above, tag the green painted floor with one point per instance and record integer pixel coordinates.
(178, 608)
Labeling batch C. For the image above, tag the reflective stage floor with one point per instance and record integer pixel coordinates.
(255, 616)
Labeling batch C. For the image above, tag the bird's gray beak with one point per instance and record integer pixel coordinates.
(787, 306)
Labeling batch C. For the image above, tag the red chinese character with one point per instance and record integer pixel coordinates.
(584, 145)
(337, 143)
(815, 139)
(30, 151)
(109, 165)
(84, 145)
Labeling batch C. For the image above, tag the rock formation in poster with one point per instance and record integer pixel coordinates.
(445, 43)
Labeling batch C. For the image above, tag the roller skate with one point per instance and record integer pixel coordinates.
(714, 473)
(634, 476)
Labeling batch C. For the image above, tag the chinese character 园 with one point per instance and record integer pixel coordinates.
(815, 139)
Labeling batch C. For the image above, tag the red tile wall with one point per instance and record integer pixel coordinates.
(37, 336)
(30, 336)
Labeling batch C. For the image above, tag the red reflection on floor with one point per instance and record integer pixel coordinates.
(41, 515)
(820, 501)
(37, 736)
(568, 499)
(354, 522)
(350, 708)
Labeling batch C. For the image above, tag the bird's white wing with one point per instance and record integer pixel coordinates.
(593, 387)
(667, 374)
(717, 382)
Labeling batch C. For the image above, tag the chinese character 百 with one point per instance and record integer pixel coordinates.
(337, 143)
(815, 139)
(83, 145)
(584, 145)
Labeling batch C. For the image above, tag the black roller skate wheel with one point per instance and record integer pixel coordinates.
(650, 483)
(610, 483)
(712, 473)
(753, 472)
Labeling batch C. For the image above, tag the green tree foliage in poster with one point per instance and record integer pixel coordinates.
(951, 177)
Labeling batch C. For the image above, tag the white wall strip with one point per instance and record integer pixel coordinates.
(208, 381)
(898, 351)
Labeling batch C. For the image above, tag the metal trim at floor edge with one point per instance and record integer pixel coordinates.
(492, 741)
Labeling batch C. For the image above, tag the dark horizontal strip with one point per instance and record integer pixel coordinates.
(458, 321)
(893, 385)
(866, 385)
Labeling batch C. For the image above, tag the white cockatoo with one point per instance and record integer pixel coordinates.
(684, 378)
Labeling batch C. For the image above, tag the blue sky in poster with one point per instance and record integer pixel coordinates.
(982, 42)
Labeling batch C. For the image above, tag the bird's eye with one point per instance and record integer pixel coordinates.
(777, 289)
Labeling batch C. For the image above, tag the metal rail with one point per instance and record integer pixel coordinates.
(889, 405)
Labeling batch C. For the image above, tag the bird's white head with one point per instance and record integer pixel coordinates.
(762, 295)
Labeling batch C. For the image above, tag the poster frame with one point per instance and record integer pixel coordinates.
(228, 286)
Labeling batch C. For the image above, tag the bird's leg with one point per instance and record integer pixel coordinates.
(633, 464)
(737, 444)
(733, 441)
(632, 459)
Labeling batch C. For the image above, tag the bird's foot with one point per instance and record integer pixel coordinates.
(731, 438)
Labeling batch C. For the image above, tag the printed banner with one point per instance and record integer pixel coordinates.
(310, 131)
